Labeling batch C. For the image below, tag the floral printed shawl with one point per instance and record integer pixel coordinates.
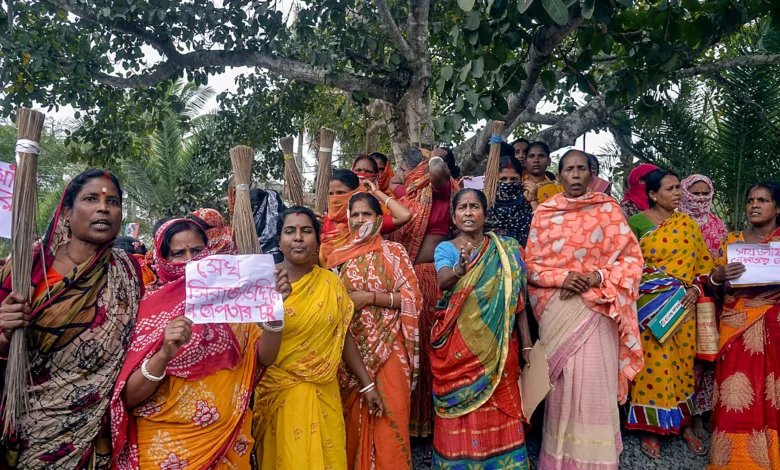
(211, 348)
(382, 268)
(583, 235)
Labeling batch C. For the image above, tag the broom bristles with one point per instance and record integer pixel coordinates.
(293, 185)
(327, 137)
(491, 171)
(17, 375)
(242, 157)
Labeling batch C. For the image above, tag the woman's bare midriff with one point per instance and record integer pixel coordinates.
(429, 244)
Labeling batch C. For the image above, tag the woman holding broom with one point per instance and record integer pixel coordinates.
(381, 282)
(189, 383)
(425, 186)
(78, 325)
(335, 230)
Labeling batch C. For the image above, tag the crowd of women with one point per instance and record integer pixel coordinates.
(409, 309)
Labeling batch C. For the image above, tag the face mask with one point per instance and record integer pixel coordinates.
(509, 191)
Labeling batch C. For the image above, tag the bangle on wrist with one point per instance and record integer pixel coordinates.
(148, 376)
(527, 349)
(391, 301)
(271, 329)
(713, 282)
(367, 388)
(387, 201)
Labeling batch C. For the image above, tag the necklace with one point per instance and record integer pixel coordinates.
(759, 237)
(466, 241)
(70, 257)
(656, 216)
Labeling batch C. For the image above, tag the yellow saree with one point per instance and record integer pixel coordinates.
(298, 418)
(171, 424)
(662, 393)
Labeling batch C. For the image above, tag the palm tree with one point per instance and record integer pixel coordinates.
(726, 127)
(165, 181)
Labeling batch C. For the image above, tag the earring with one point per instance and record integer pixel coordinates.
(67, 222)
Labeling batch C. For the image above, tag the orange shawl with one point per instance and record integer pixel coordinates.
(335, 228)
(583, 235)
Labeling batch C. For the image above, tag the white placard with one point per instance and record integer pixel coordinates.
(233, 289)
(475, 182)
(762, 263)
(7, 173)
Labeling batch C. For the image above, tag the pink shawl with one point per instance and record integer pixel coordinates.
(698, 207)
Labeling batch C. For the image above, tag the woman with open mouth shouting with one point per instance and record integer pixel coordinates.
(475, 356)
(78, 325)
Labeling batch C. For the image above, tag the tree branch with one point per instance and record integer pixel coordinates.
(542, 46)
(163, 45)
(385, 89)
(584, 119)
(545, 119)
(725, 64)
(536, 96)
(388, 24)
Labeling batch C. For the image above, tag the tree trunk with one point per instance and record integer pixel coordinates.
(397, 129)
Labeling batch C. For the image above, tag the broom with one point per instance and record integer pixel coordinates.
(293, 186)
(243, 222)
(491, 172)
(17, 374)
(327, 136)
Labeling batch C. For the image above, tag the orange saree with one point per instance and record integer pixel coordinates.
(388, 341)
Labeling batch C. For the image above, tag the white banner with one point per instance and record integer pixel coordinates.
(762, 263)
(7, 173)
(233, 289)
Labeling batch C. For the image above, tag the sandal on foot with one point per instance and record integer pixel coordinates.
(695, 445)
(651, 450)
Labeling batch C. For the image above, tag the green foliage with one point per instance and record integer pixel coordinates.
(172, 177)
(727, 129)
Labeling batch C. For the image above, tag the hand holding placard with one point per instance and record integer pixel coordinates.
(233, 289)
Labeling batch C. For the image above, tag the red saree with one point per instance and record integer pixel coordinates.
(746, 399)
(419, 201)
